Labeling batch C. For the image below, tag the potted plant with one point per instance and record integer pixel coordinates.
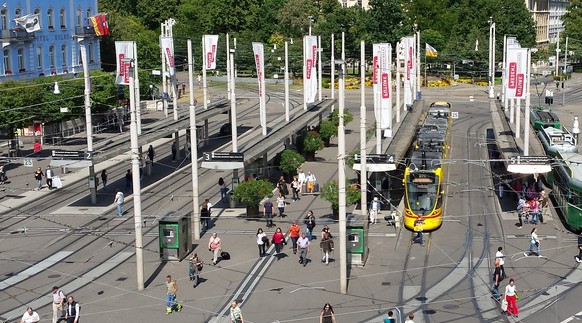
(327, 129)
(288, 161)
(348, 117)
(251, 192)
(311, 144)
(330, 193)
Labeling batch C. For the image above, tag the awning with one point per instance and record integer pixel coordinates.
(529, 169)
(375, 167)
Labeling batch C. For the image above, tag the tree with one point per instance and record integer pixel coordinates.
(387, 21)
(288, 161)
(573, 25)
(294, 17)
(327, 129)
(330, 193)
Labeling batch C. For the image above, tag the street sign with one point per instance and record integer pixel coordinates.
(68, 154)
(218, 156)
(455, 115)
(28, 162)
(529, 164)
(376, 158)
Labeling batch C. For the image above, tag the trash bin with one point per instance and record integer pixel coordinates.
(175, 240)
(357, 239)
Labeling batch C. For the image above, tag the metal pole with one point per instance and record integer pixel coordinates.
(491, 58)
(164, 84)
(227, 64)
(233, 103)
(204, 64)
(287, 81)
(558, 54)
(193, 146)
(363, 152)
(417, 64)
(137, 94)
(566, 55)
(175, 77)
(517, 118)
(342, 182)
(304, 73)
(88, 122)
(310, 17)
(333, 69)
(319, 52)
(527, 104)
(398, 52)
(135, 157)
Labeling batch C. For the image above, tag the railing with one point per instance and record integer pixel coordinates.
(84, 31)
(16, 35)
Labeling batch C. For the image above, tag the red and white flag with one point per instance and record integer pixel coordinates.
(309, 67)
(259, 55)
(210, 46)
(168, 49)
(516, 62)
(123, 50)
(382, 84)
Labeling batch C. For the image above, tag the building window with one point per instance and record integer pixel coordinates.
(37, 12)
(21, 66)
(39, 57)
(64, 55)
(17, 13)
(52, 56)
(4, 19)
(51, 19)
(90, 53)
(89, 14)
(7, 65)
(79, 18)
(62, 19)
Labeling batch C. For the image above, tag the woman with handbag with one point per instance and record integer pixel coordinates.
(511, 298)
(195, 267)
(262, 242)
(278, 239)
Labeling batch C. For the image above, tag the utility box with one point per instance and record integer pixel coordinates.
(175, 238)
(357, 239)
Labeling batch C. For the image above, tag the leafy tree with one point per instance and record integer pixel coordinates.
(294, 17)
(387, 21)
(312, 142)
(251, 192)
(289, 161)
(330, 193)
(573, 25)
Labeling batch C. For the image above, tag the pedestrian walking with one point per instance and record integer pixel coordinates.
(501, 258)
(303, 249)
(309, 222)
(327, 315)
(119, 201)
(281, 205)
(522, 210)
(310, 179)
(73, 310)
(579, 257)
(38, 177)
(174, 152)
(205, 216)
(36, 147)
(58, 300)
(374, 209)
(235, 313)
(30, 316)
(389, 317)
(262, 242)
(326, 230)
(293, 232)
(195, 268)
(268, 212)
(2, 175)
(128, 180)
(534, 206)
(410, 318)
(104, 177)
(49, 174)
(418, 226)
(545, 205)
(278, 240)
(326, 246)
(171, 290)
(282, 186)
(151, 153)
(497, 278)
(511, 298)
(223, 188)
(295, 188)
(214, 246)
(534, 244)
(302, 180)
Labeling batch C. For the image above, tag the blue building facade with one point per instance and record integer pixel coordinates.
(52, 50)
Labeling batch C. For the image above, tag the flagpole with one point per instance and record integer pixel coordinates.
(204, 63)
(425, 80)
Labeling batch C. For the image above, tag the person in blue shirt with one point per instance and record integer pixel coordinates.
(390, 318)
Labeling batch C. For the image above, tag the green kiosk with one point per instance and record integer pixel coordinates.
(357, 239)
(175, 237)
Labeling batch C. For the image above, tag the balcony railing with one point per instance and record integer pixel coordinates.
(84, 31)
(16, 35)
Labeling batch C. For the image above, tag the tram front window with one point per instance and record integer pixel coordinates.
(422, 191)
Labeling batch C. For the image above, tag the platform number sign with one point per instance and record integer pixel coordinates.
(455, 115)
(28, 162)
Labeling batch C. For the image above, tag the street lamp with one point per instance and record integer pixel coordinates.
(310, 20)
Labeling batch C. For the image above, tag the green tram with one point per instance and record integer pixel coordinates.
(566, 182)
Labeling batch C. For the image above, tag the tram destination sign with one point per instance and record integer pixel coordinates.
(68, 154)
(218, 156)
(375, 162)
(528, 164)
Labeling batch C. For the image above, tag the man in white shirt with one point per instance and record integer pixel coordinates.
(58, 298)
(301, 179)
(410, 318)
(119, 201)
(30, 316)
(374, 209)
(49, 177)
(303, 249)
(499, 256)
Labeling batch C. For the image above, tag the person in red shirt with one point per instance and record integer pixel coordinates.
(37, 147)
(294, 231)
(278, 239)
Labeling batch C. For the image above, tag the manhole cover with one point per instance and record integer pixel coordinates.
(451, 306)
(54, 276)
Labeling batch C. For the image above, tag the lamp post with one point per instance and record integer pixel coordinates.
(310, 20)
(491, 58)
(342, 180)
(135, 158)
(88, 123)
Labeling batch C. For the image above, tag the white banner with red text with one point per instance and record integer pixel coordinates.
(210, 46)
(124, 50)
(309, 67)
(259, 55)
